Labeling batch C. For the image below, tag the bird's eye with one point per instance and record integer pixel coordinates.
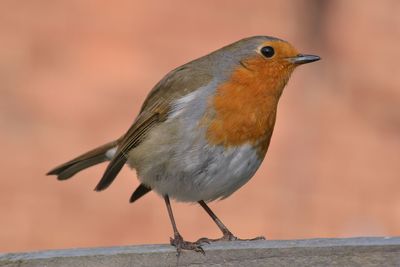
(268, 51)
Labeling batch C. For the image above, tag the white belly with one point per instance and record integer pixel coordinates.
(184, 167)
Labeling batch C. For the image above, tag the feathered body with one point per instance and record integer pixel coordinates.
(205, 128)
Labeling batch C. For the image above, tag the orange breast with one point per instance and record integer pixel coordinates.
(245, 105)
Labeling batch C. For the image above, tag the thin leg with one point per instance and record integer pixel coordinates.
(178, 241)
(227, 235)
(225, 231)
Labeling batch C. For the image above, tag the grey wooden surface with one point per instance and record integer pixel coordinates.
(364, 251)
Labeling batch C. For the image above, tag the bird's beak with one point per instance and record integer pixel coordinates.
(303, 59)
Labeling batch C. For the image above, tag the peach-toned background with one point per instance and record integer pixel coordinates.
(73, 75)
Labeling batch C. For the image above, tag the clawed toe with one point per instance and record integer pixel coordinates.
(227, 237)
(204, 240)
(250, 239)
(257, 238)
(181, 244)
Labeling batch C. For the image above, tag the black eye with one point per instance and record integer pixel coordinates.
(268, 51)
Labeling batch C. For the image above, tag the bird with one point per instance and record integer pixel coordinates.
(203, 130)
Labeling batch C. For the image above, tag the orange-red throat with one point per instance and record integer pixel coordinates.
(245, 105)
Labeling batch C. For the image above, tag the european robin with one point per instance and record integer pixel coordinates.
(203, 130)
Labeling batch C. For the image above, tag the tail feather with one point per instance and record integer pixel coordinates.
(139, 192)
(88, 159)
(113, 168)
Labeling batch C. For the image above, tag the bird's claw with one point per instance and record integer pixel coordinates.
(203, 240)
(181, 244)
(227, 237)
(257, 238)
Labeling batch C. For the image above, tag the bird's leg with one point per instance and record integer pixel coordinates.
(178, 241)
(227, 235)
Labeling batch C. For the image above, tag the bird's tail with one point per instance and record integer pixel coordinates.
(88, 159)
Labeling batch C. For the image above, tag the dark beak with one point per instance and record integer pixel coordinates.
(303, 59)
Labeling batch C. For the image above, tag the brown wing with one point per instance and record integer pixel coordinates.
(131, 139)
(155, 110)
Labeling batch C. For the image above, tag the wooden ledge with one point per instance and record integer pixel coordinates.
(363, 251)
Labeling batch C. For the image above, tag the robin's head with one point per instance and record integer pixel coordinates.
(266, 54)
(266, 51)
(260, 59)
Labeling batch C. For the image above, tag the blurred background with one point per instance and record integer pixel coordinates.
(74, 73)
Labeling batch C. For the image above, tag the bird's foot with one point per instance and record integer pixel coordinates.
(181, 244)
(228, 236)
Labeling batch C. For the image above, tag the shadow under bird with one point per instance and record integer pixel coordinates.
(203, 130)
